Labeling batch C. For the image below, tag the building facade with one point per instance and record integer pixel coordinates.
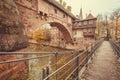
(85, 27)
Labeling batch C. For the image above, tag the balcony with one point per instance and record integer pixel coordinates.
(84, 26)
(88, 34)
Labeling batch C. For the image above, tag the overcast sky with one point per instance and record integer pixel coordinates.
(95, 6)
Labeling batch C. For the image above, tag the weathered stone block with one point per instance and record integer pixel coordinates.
(12, 35)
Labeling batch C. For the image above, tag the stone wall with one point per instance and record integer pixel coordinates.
(14, 70)
(12, 36)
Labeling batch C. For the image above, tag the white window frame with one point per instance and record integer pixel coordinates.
(85, 23)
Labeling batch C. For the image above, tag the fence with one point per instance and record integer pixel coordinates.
(63, 65)
(116, 47)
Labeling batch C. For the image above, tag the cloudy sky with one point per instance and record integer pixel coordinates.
(93, 6)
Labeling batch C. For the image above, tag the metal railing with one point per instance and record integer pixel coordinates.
(116, 47)
(65, 66)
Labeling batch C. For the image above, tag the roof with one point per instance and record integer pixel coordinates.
(56, 4)
(90, 16)
(85, 20)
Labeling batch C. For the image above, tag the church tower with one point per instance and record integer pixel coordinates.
(81, 14)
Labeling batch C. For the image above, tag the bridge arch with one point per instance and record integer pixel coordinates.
(66, 33)
(63, 29)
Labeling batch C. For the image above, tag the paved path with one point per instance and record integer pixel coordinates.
(104, 66)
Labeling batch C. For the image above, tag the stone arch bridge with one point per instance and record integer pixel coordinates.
(35, 13)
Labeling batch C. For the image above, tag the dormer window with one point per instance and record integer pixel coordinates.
(91, 22)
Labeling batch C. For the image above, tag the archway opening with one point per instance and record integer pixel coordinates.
(54, 33)
(64, 31)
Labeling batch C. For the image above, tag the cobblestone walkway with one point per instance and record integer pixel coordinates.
(104, 66)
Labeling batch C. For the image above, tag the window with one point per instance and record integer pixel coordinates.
(75, 24)
(85, 30)
(91, 22)
(45, 16)
(41, 13)
(63, 15)
(90, 30)
(80, 24)
(85, 22)
(55, 11)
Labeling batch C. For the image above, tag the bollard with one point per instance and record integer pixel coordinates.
(43, 73)
(56, 54)
(77, 64)
(47, 72)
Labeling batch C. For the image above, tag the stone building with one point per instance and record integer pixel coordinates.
(36, 13)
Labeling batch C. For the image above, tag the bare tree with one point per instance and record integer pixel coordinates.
(115, 16)
(100, 24)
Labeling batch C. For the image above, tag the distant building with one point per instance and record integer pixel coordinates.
(85, 28)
